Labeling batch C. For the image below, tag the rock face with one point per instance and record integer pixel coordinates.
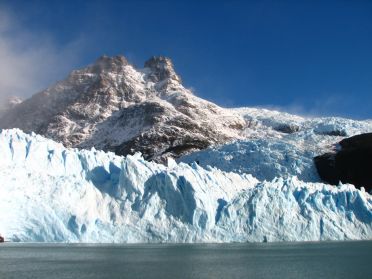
(287, 128)
(351, 164)
(112, 106)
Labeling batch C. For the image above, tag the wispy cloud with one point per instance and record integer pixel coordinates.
(329, 105)
(28, 61)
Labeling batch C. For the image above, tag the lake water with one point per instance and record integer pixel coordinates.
(279, 260)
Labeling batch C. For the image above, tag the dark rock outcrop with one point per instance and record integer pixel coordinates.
(334, 133)
(363, 140)
(287, 128)
(351, 164)
(161, 69)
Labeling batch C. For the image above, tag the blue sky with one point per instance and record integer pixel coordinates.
(308, 57)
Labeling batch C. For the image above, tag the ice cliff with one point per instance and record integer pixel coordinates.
(54, 194)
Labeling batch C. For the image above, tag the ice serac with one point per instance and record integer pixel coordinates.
(52, 193)
(277, 144)
(112, 106)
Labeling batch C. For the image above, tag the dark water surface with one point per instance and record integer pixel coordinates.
(279, 260)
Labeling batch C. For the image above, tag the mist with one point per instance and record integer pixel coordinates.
(31, 61)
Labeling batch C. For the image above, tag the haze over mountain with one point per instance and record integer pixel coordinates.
(112, 106)
(308, 58)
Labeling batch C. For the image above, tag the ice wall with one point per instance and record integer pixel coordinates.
(53, 194)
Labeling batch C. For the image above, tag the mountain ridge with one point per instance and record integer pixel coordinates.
(114, 107)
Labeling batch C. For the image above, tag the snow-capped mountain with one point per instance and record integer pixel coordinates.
(114, 107)
(54, 194)
(244, 174)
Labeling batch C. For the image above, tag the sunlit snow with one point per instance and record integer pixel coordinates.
(50, 193)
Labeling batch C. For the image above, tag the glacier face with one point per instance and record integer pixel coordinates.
(51, 193)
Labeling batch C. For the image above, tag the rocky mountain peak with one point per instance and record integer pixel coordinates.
(161, 69)
(109, 64)
(112, 106)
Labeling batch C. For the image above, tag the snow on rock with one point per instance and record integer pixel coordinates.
(8, 103)
(315, 132)
(278, 144)
(54, 194)
(112, 106)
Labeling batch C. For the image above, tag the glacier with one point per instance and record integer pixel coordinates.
(265, 159)
(49, 193)
(267, 152)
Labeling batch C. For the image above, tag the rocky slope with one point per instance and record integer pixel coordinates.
(112, 106)
(8, 104)
(350, 163)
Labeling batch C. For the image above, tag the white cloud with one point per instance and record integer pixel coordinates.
(326, 105)
(29, 62)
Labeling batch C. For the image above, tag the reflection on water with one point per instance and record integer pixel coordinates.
(279, 260)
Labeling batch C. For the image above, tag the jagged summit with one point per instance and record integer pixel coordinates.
(161, 69)
(112, 64)
(112, 106)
